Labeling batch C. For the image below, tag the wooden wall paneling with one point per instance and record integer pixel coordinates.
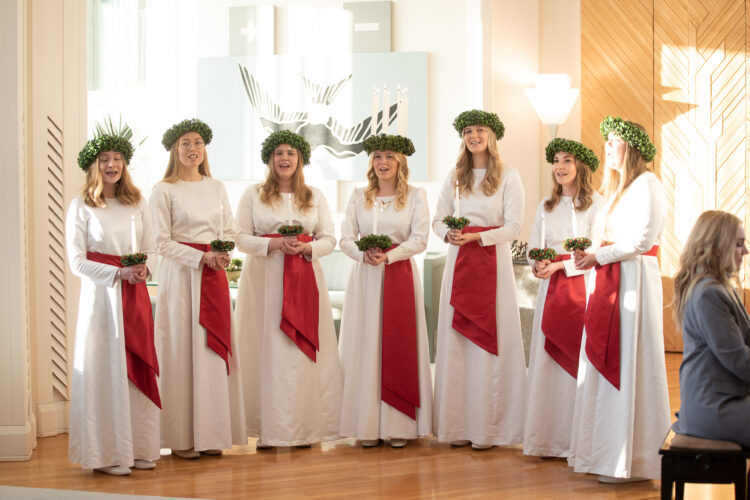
(696, 108)
(617, 75)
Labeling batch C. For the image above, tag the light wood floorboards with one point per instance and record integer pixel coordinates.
(342, 469)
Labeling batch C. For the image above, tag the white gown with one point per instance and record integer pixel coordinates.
(479, 396)
(363, 414)
(111, 421)
(201, 405)
(289, 399)
(618, 433)
(552, 391)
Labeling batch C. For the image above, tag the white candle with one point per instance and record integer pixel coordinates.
(406, 109)
(399, 109)
(132, 233)
(458, 201)
(573, 220)
(541, 243)
(386, 110)
(375, 217)
(289, 207)
(221, 221)
(374, 119)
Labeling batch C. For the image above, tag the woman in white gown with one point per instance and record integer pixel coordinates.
(384, 348)
(622, 403)
(114, 404)
(480, 373)
(200, 386)
(561, 300)
(292, 373)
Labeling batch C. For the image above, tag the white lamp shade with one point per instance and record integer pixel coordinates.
(552, 98)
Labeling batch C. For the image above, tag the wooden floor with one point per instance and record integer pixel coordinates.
(342, 469)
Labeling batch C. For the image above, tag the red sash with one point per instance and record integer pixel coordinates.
(474, 291)
(216, 308)
(603, 321)
(138, 326)
(399, 373)
(300, 306)
(562, 319)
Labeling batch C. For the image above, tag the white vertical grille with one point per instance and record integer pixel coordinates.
(56, 257)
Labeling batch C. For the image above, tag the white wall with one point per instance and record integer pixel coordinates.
(17, 433)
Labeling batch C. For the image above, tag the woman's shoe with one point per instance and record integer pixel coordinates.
(143, 464)
(260, 445)
(213, 453)
(190, 454)
(114, 470)
(462, 442)
(481, 447)
(620, 480)
(303, 446)
(369, 443)
(398, 443)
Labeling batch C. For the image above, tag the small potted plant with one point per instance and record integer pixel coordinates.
(132, 259)
(222, 245)
(381, 241)
(572, 244)
(456, 222)
(233, 270)
(290, 230)
(542, 254)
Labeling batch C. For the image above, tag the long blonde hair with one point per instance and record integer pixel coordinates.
(402, 182)
(465, 164)
(269, 189)
(172, 174)
(125, 190)
(708, 252)
(614, 183)
(583, 198)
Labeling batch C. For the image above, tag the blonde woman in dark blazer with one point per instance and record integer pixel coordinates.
(715, 370)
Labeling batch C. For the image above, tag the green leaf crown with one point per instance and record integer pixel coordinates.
(107, 137)
(285, 137)
(629, 133)
(190, 125)
(478, 117)
(384, 142)
(575, 148)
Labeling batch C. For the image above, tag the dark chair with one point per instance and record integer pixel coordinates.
(688, 459)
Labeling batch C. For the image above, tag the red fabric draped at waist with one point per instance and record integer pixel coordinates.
(474, 292)
(602, 321)
(399, 368)
(138, 326)
(215, 308)
(300, 306)
(563, 316)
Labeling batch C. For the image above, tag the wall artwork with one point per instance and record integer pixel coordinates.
(328, 99)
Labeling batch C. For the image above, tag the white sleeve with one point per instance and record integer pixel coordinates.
(444, 207)
(350, 230)
(513, 201)
(647, 217)
(76, 242)
(161, 217)
(323, 232)
(534, 237)
(420, 230)
(246, 240)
